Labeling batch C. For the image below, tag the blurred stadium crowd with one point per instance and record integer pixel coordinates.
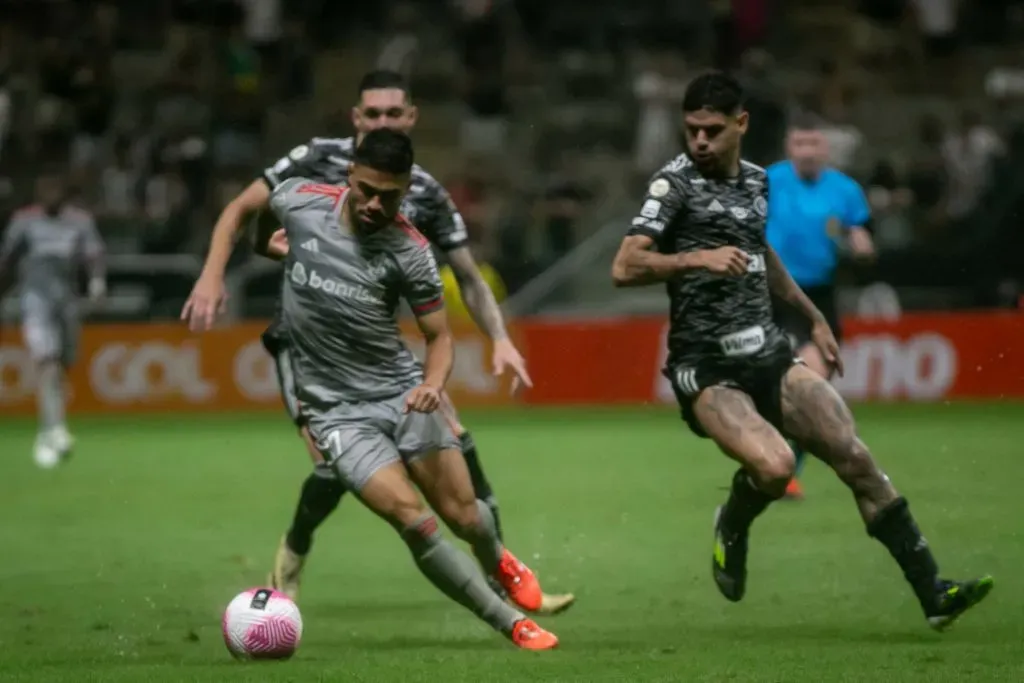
(543, 119)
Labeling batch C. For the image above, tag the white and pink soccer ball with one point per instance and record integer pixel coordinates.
(261, 623)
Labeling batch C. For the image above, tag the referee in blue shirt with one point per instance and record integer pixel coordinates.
(815, 213)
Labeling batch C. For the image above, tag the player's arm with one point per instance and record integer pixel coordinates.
(784, 287)
(12, 248)
(423, 289)
(270, 241)
(857, 219)
(639, 261)
(94, 255)
(477, 295)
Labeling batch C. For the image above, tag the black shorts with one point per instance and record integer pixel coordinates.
(796, 325)
(286, 384)
(762, 381)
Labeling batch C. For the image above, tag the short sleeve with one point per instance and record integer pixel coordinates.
(664, 201)
(422, 286)
(296, 164)
(283, 200)
(439, 218)
(857, 211)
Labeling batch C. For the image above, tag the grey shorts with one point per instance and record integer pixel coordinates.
(358, 439)
(50, 330)
(286, 384)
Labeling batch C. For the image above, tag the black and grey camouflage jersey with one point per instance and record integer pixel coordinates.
(725, 320)
(427, 205)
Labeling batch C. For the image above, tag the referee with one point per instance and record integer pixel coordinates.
(814, 214)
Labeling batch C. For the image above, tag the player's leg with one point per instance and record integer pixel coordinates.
(481, 486)
(319, 496)
(728, 416)
(815, 415)
(368, 462)
(551, 603)
(42, 335)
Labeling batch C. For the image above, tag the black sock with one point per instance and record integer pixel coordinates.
(481, 487)
(318, 499)
(745, 503)
(896, 529)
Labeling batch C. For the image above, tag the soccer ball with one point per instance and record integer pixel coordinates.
(261, 623)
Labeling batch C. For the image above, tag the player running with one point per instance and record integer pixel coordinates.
(701, 230)
(813, 212)
(373, 412)
(384, 102)
(47, 243)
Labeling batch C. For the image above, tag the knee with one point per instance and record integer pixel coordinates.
(421, 533)
(462, 516)
(774, 471)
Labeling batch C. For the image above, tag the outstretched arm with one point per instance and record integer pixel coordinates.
(478, 297)
(637, 263)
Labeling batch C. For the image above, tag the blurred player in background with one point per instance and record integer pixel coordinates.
(384, 102)
(376, 415)
(701, 230)
(44, 248)
(814, 214)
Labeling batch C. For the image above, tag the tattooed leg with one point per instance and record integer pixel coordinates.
(816, 416)
(733, 423)
(731, 420)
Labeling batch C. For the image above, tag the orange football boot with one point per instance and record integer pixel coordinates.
(527, 635)
(793, 490)
(519, 582)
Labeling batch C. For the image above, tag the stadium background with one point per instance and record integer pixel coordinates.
(544, 120)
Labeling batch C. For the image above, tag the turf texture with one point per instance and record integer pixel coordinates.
(116, 567)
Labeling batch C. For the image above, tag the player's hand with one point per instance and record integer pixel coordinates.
(277, 248)
(725, 261)
(507, 357)
(207, 300)
(825, 340)
(97, 290)
(423, 399)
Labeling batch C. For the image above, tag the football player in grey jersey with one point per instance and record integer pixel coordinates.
(701, 231)
(44, 248)
(384, 102)
(374, 413)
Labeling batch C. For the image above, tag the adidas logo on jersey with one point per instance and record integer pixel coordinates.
(313, 280)
(311, 245)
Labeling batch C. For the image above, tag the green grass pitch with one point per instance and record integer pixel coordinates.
(116, 567)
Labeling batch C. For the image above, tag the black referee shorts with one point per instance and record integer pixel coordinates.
(796, 326)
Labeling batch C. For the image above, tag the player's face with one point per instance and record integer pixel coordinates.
(808, 150)
(384, 108)
(375, 196)
(50, 192)
(713, 138)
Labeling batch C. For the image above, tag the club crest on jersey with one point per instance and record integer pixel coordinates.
(761, 207)
(299, 153)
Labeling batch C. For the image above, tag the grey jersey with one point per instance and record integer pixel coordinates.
(427, 205)
(341, 294)
(713, 318)
(50, 250)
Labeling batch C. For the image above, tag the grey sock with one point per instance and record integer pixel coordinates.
(455, 575)
(485, 543)
(50, 396)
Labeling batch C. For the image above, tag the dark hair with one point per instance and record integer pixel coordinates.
(805, 121)
(382, 79)
(385, 150)
(715, 91)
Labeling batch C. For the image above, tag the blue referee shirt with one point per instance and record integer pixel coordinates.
(807, 218)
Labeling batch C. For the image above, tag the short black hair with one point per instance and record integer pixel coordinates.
(386, 150)
(714, 91)
(805, 121)
(382, 79)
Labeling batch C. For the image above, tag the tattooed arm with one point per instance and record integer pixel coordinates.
(782, 285)
(637, 264)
